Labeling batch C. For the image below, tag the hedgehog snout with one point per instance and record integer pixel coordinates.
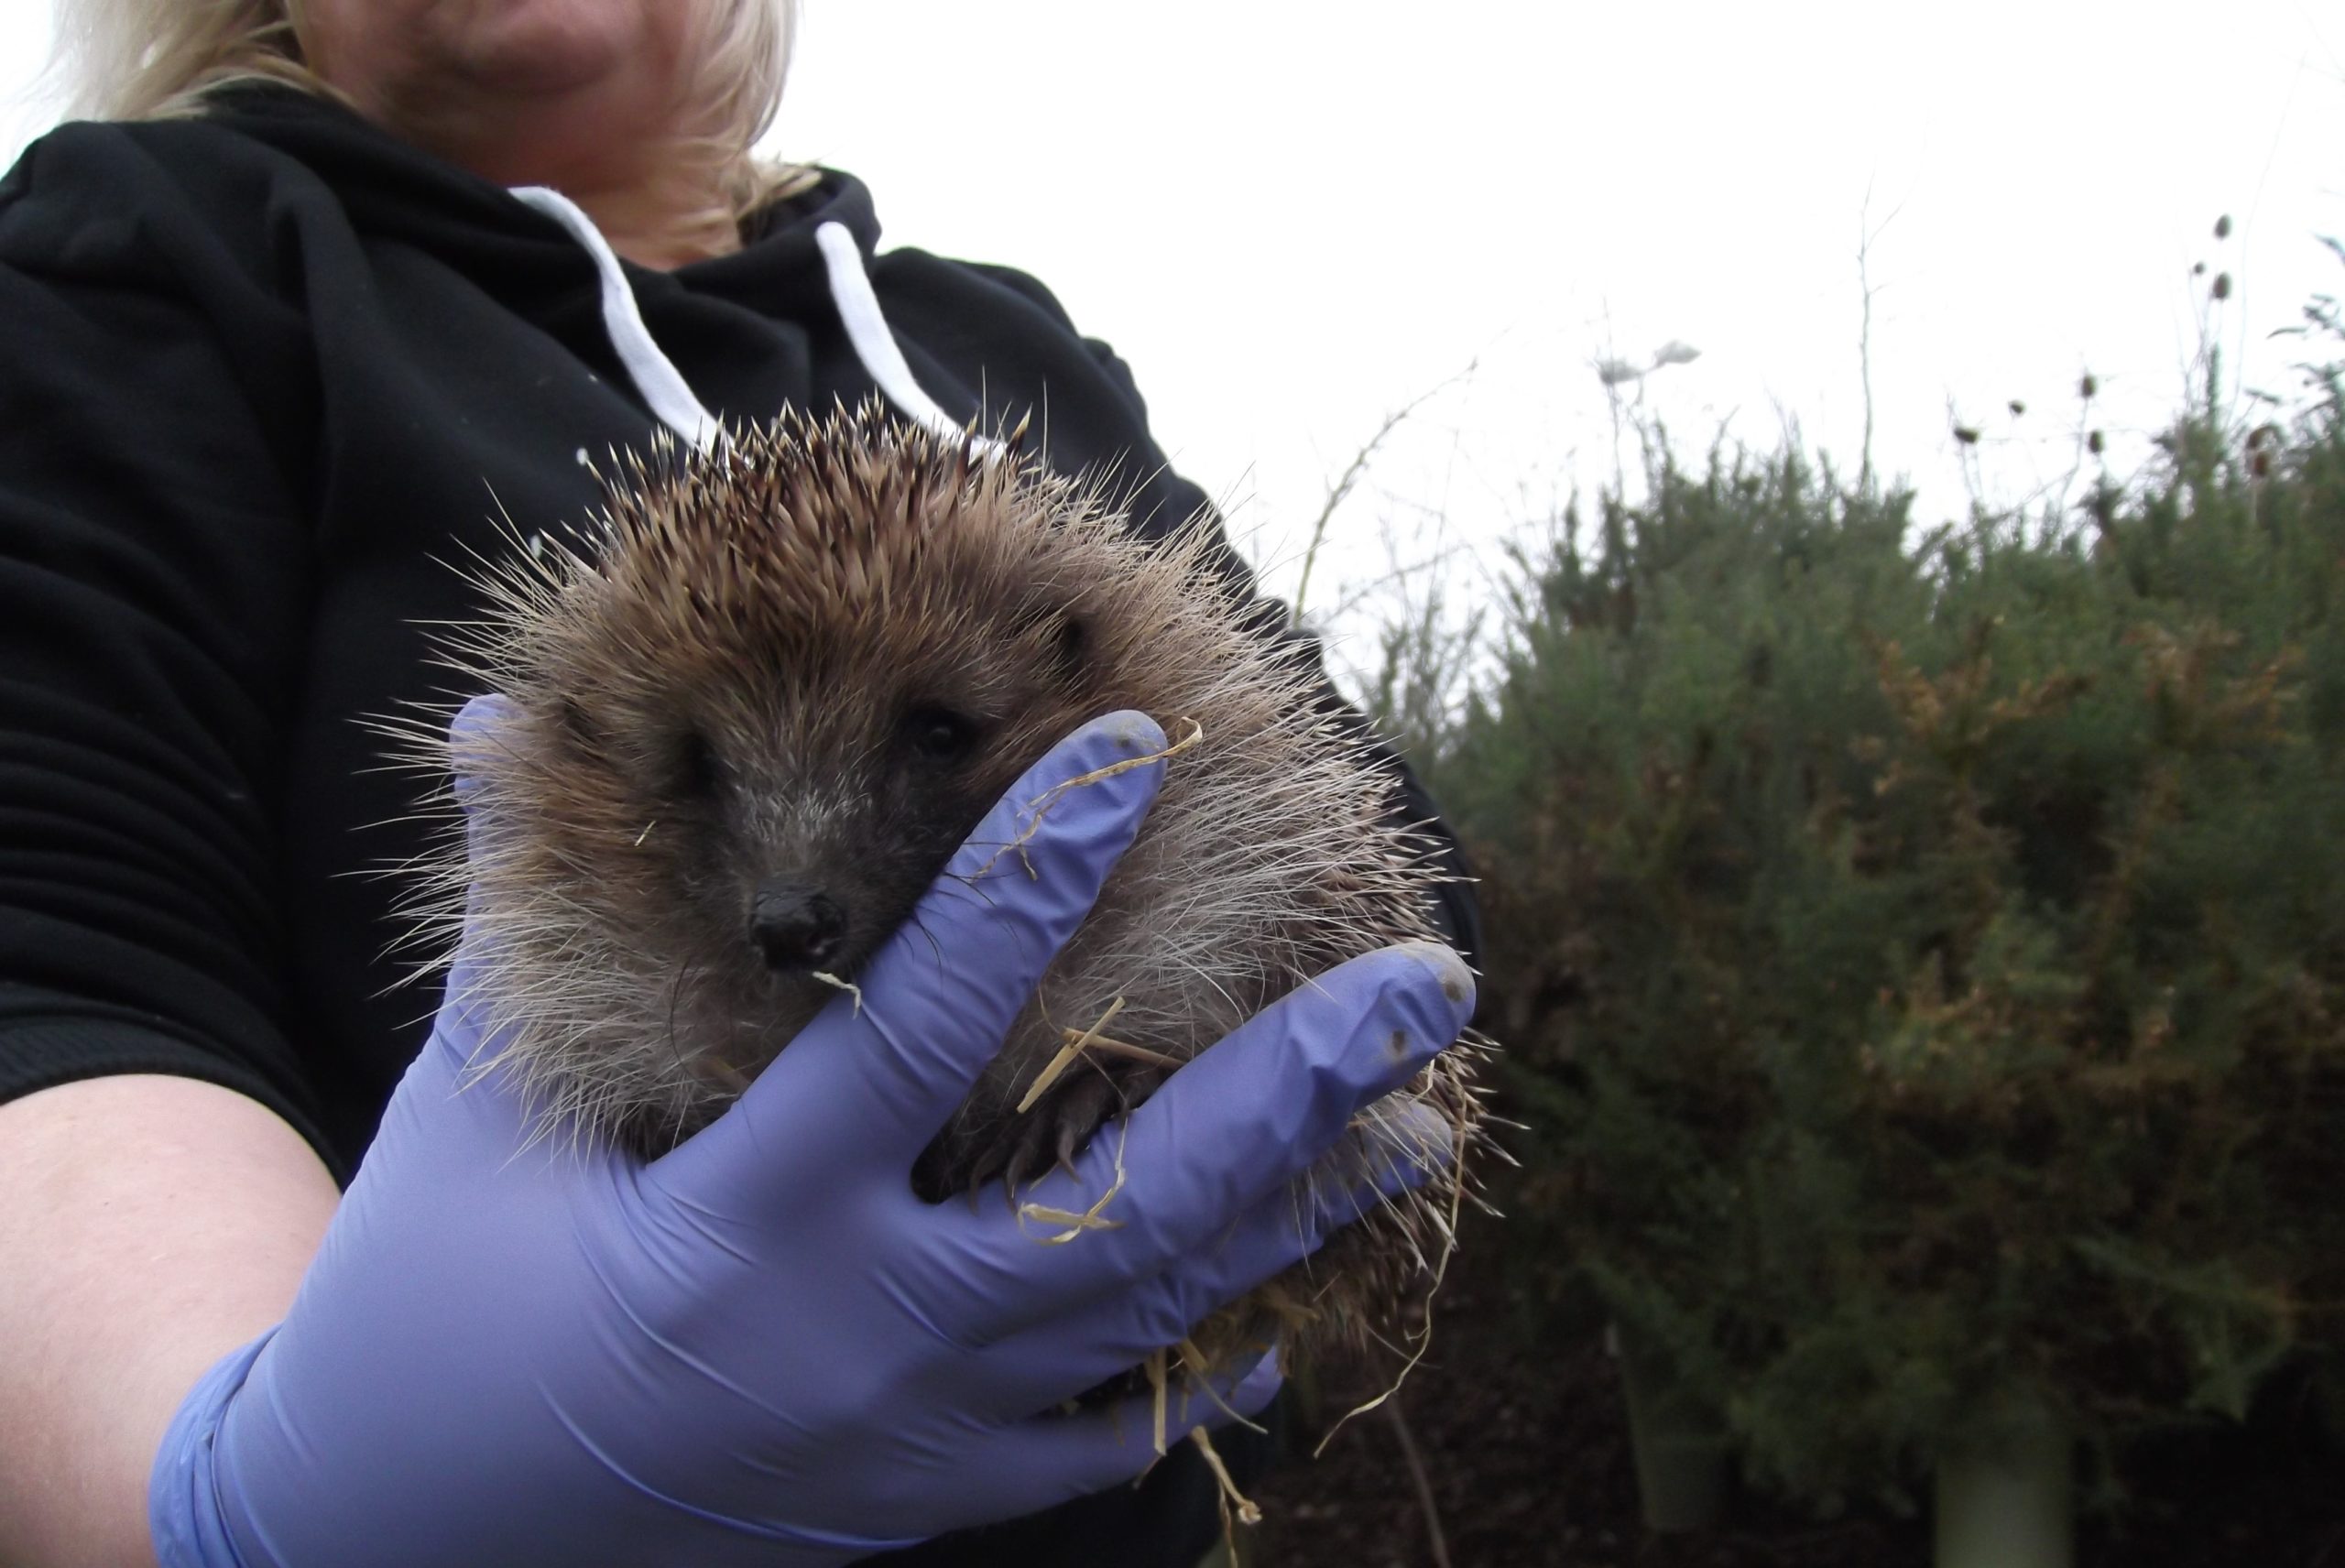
(795, 926)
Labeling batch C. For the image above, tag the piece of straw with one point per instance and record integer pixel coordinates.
(835, 983)
(1100, 1043)
(1091, 1218)
(1067, 1058)
(1247, 1512)
(1157, 1377)
(1424, 1338)
(1199, 1369)
(1051, 796)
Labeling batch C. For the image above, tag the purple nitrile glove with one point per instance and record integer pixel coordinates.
(763, 1347)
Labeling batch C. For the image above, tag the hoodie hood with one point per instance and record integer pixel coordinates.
(771, 306)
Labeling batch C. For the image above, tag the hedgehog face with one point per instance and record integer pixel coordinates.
(779, 826)
(764, 706)
(838, 788)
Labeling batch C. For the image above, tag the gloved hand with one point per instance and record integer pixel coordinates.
(762, 1347)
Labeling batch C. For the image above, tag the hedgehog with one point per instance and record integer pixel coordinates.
(755, 703)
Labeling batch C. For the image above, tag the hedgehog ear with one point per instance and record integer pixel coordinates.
(1065, 642)
(1060, 632)
(578, 724)
(1069, 645)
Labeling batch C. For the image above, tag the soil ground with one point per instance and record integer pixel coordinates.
(1526, 1452)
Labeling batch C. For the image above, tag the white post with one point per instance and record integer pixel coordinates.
(2007, 1501)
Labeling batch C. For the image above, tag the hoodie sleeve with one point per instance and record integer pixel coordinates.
(1162, 501)
(153, 604)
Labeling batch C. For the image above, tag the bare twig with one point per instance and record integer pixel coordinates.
(1866, 236)
(1423, 1484)
(1353, 472)
(1400, 574)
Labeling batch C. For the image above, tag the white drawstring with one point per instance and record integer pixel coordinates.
(866, 329)
(670, 397)
(655, 375)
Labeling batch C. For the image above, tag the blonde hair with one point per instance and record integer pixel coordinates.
(147, 60)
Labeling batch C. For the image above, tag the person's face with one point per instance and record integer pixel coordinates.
(559, 92)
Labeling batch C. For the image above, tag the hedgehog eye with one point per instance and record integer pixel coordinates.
(698, 772)
(938, 734)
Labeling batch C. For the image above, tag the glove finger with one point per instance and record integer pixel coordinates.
(885, 1069)
(473, 736)
(476, 738)
(1051, 1459)
(1082, 1349)
(1223, 1132)
(451, 1083)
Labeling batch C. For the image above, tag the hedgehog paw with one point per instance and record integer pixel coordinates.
(1056, 1130)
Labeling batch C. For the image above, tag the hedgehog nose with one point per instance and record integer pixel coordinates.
(795, 926)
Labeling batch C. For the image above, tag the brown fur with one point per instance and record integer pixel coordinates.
(820, 655)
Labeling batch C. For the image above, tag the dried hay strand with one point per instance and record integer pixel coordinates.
(1068, 1056)
(1232, 1499)
(1042, 803)
(1092, 1218)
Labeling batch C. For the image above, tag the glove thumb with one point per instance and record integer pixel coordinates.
(476, 736)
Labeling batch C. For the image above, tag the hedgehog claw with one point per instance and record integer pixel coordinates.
(1019, 1151)
(1024, 1164)
(1055, 1133)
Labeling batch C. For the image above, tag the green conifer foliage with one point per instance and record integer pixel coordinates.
(1921, 959)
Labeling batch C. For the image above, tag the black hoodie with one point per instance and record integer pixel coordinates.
(263, 375)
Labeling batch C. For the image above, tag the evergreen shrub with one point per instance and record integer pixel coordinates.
(1921, 958)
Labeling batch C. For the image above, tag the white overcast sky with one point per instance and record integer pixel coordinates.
(1294, 216)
